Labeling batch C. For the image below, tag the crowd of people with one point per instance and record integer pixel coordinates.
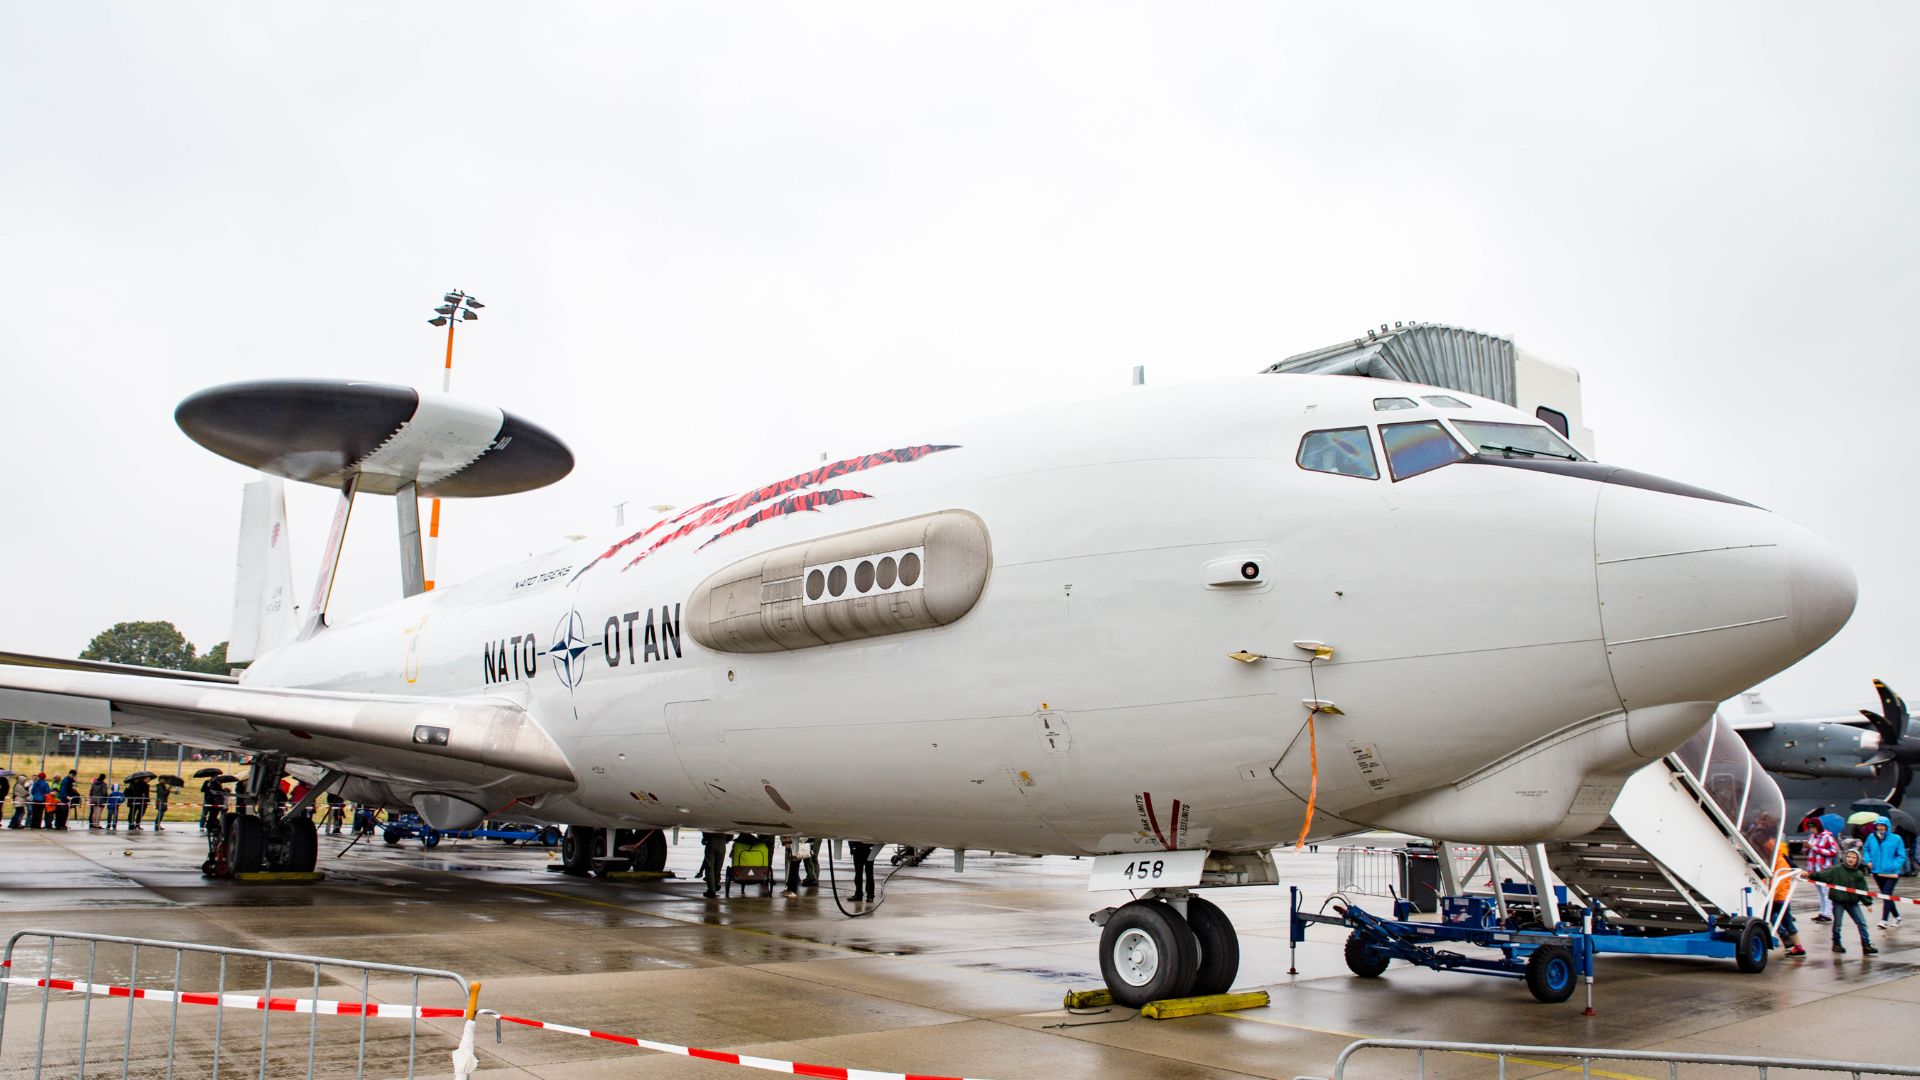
(753, 851)
(43, 803)
(40, 803)
(1848, 866)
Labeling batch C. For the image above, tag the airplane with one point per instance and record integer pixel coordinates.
(1171, 628)
(1834, 760)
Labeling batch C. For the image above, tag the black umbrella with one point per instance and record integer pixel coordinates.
(171, 781)
(202, 774)
(140, 776)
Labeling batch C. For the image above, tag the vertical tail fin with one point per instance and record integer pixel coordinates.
(263, 608)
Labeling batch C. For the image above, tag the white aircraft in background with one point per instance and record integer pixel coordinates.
(1190, 623)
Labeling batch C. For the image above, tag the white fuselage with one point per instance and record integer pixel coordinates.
(1508, 643)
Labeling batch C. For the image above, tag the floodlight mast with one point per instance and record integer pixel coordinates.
(456, 307)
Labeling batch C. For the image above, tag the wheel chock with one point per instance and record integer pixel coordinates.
(1087, 999)
(281, 877)
(1210, 1003)
(638, 875)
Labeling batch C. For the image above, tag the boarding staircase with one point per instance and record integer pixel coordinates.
(1688, 840)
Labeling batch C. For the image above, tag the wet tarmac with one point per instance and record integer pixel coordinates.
(956, 974)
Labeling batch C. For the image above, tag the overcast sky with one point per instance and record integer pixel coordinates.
(717, 240)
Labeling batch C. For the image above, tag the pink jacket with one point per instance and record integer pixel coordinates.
(1822, 850)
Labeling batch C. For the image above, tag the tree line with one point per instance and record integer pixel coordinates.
(154, 644)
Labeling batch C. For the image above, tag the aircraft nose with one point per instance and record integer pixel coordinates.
(1701, 598)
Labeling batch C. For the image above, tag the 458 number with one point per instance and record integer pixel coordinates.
(1144, 869)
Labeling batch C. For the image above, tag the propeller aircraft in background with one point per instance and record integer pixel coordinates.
(1839, 761)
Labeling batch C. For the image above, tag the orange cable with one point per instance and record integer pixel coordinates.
(1313, 788)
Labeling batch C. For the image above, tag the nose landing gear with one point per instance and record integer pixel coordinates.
(1152, 950)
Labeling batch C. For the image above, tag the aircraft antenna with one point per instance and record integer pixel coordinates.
(456, 307)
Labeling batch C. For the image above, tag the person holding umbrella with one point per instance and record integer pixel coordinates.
(213, 799)
(1860, 824)
(163, 790)
(138, 788)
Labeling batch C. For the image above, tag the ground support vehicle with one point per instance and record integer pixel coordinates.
(1550, 959)
(409, 826)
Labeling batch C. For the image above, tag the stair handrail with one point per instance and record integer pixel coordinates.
(1727, 825)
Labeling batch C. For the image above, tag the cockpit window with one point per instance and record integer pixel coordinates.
(1516, 440)
(1418, 447)
(1346, 451)
(1389, 404)
(1444, 401)
(1554, 419)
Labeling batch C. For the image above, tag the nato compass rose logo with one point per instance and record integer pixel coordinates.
(569, 649)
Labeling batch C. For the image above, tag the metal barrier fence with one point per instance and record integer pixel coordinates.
(196, 1040)
(1368, 871)
(1538, 1057)
(1378, 871)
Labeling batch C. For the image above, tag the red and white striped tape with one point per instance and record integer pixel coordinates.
(1871, 895)
(793, 1068)
(326, 1007)
(322, 1006)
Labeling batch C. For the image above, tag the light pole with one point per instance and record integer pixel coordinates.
(457, 307)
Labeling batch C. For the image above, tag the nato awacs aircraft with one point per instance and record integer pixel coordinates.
(1174, 628)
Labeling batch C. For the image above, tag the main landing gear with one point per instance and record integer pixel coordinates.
(1168, 944)
(262, 834)
(586, 850)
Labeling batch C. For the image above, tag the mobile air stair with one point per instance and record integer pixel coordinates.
(1688, 844)
(1681, 866)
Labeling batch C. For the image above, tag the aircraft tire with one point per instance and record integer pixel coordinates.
(1148, 953)
(247, 844)
(1750, 955)
(652, 854)
(1552, 974)
(1219, 948)
(303, 846)
(1364, 960)
(576, 850)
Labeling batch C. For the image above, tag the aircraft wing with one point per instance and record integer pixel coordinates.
(474, 744)
(63, 664)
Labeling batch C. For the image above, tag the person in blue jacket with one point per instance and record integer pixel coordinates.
(37, 806)
(1886, 856)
